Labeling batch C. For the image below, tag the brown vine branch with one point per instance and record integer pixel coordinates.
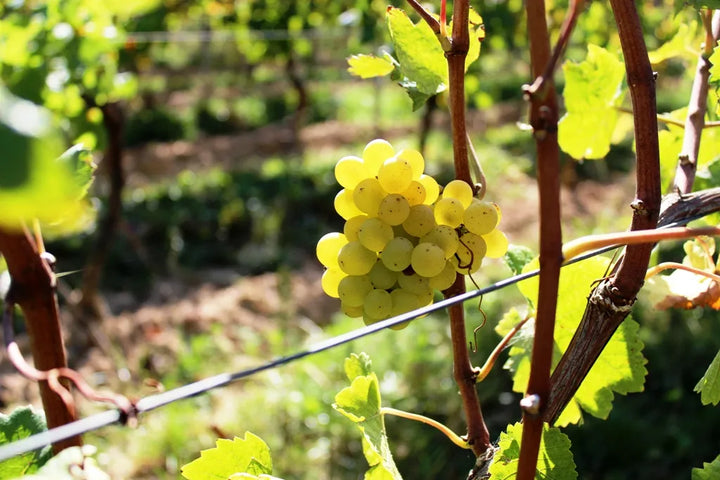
(697, 107)
(543, 119)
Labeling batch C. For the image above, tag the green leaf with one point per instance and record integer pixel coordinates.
(710, 471)
(555, 460)
(248, 455)
(592, 93)
(709, 385)
(620, 368)
(517, 257)
(360, 402)
(681, 45)
(715, 68)
(697, 4)
(22, 423)
(369, 66)
(422, 60)
(63, 466)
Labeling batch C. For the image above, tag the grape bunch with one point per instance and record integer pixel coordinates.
(403, 237)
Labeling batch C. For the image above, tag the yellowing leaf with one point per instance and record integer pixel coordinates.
(369, 66)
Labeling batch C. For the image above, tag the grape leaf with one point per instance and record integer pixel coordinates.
(65, 466)
(369, 66)
(592, 93)
(710, 471)
(709, 385)
(555, 460)
(360, 402)
(715, 68)
(681, 45)
(21, 423)
(517, 257)
(248, 455)
(620, 367)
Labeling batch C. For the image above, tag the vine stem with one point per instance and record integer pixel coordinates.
(679, 266)
(454, 437)
(543, 119)
(490, 362)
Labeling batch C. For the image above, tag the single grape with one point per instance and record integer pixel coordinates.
(345, 205)
(328, 248)
(352, 312)
(382, 277)
(394, 209)
(415, 193)
(432, 189)
(374, 234)
(449, 211)
(420, 220)
(470, 253)
(395, 175)
(459, 190)
(403, 301)
(352, 225)
(444, 237)
(427, 260)
(445, 279)
(354, 259)
(349, 171)
(377, 304)
(397, 254)
(352, 290)
(414, 283)
(497, 244)
(331, 280)
(375, 154)
(426, 298)
(367, 196)
(416, 161)
(480, 217)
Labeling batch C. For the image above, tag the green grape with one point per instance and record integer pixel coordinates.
(414, 283)
(426, 298)
(354, 259)
(395, 175)
(331, 280)
(403, 301)
(393, 209)
(449, 211)
(397, 254)
(349, 171)
(480, 217)
(427, 260)
(367, 196)
(375, 154)
(497, 244)
(432, 189)
(415, 193)
(444, 237)
(344, 204)
(374, 234)
(377, 304)
(459, 190)
(416, 161)
(352, 312)
(420, 220)
(470, 253)
(445, 279)
(382, 277)
(352, 290)
(328, 247)
(352, 225)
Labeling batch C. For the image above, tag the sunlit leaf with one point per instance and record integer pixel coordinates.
(709, 385)
(517, 257)
(21, 423)
(710, 471)
(369, 66)
(715, 68)
(592, 93)
(682, 45)
(555, 460)
(248, 455)
(360, 402)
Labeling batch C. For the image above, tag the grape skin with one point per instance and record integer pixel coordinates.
(397, 254)
(428, 260)
(394, 209)
(374, 234)
(352, 290)
(395, 175)
(328, 247)
(375, 154)
(420, 220)
(349, 171)
(480, 217)
(377, 304)
(460, 191)
(367, 196)
(354, 259)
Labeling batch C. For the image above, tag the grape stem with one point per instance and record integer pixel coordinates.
(679, 266)
(454, 437)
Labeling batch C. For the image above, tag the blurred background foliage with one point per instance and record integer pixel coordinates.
(191, 74)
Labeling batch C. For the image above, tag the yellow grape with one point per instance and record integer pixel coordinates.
(374, 234)
(414, 283)
(352, 225)
(352, 290)
(352, 312)
(449, 211)
(420, 220)
(328, 247)
(331, 280)
(470, 253)
(480, 217)
(382, 277)
(395, 175)
(445, 279)
(397, 254)
(497, 244)
(459, 190)
(349, 171)
(377, 304)
(354, 259)
(444, 237)
(403, 301)
(415, 193)
(375, 154)
(416, 161)
(427, 260)
(393, 209)
(344, 204)
(367, 196)
(432, 189)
